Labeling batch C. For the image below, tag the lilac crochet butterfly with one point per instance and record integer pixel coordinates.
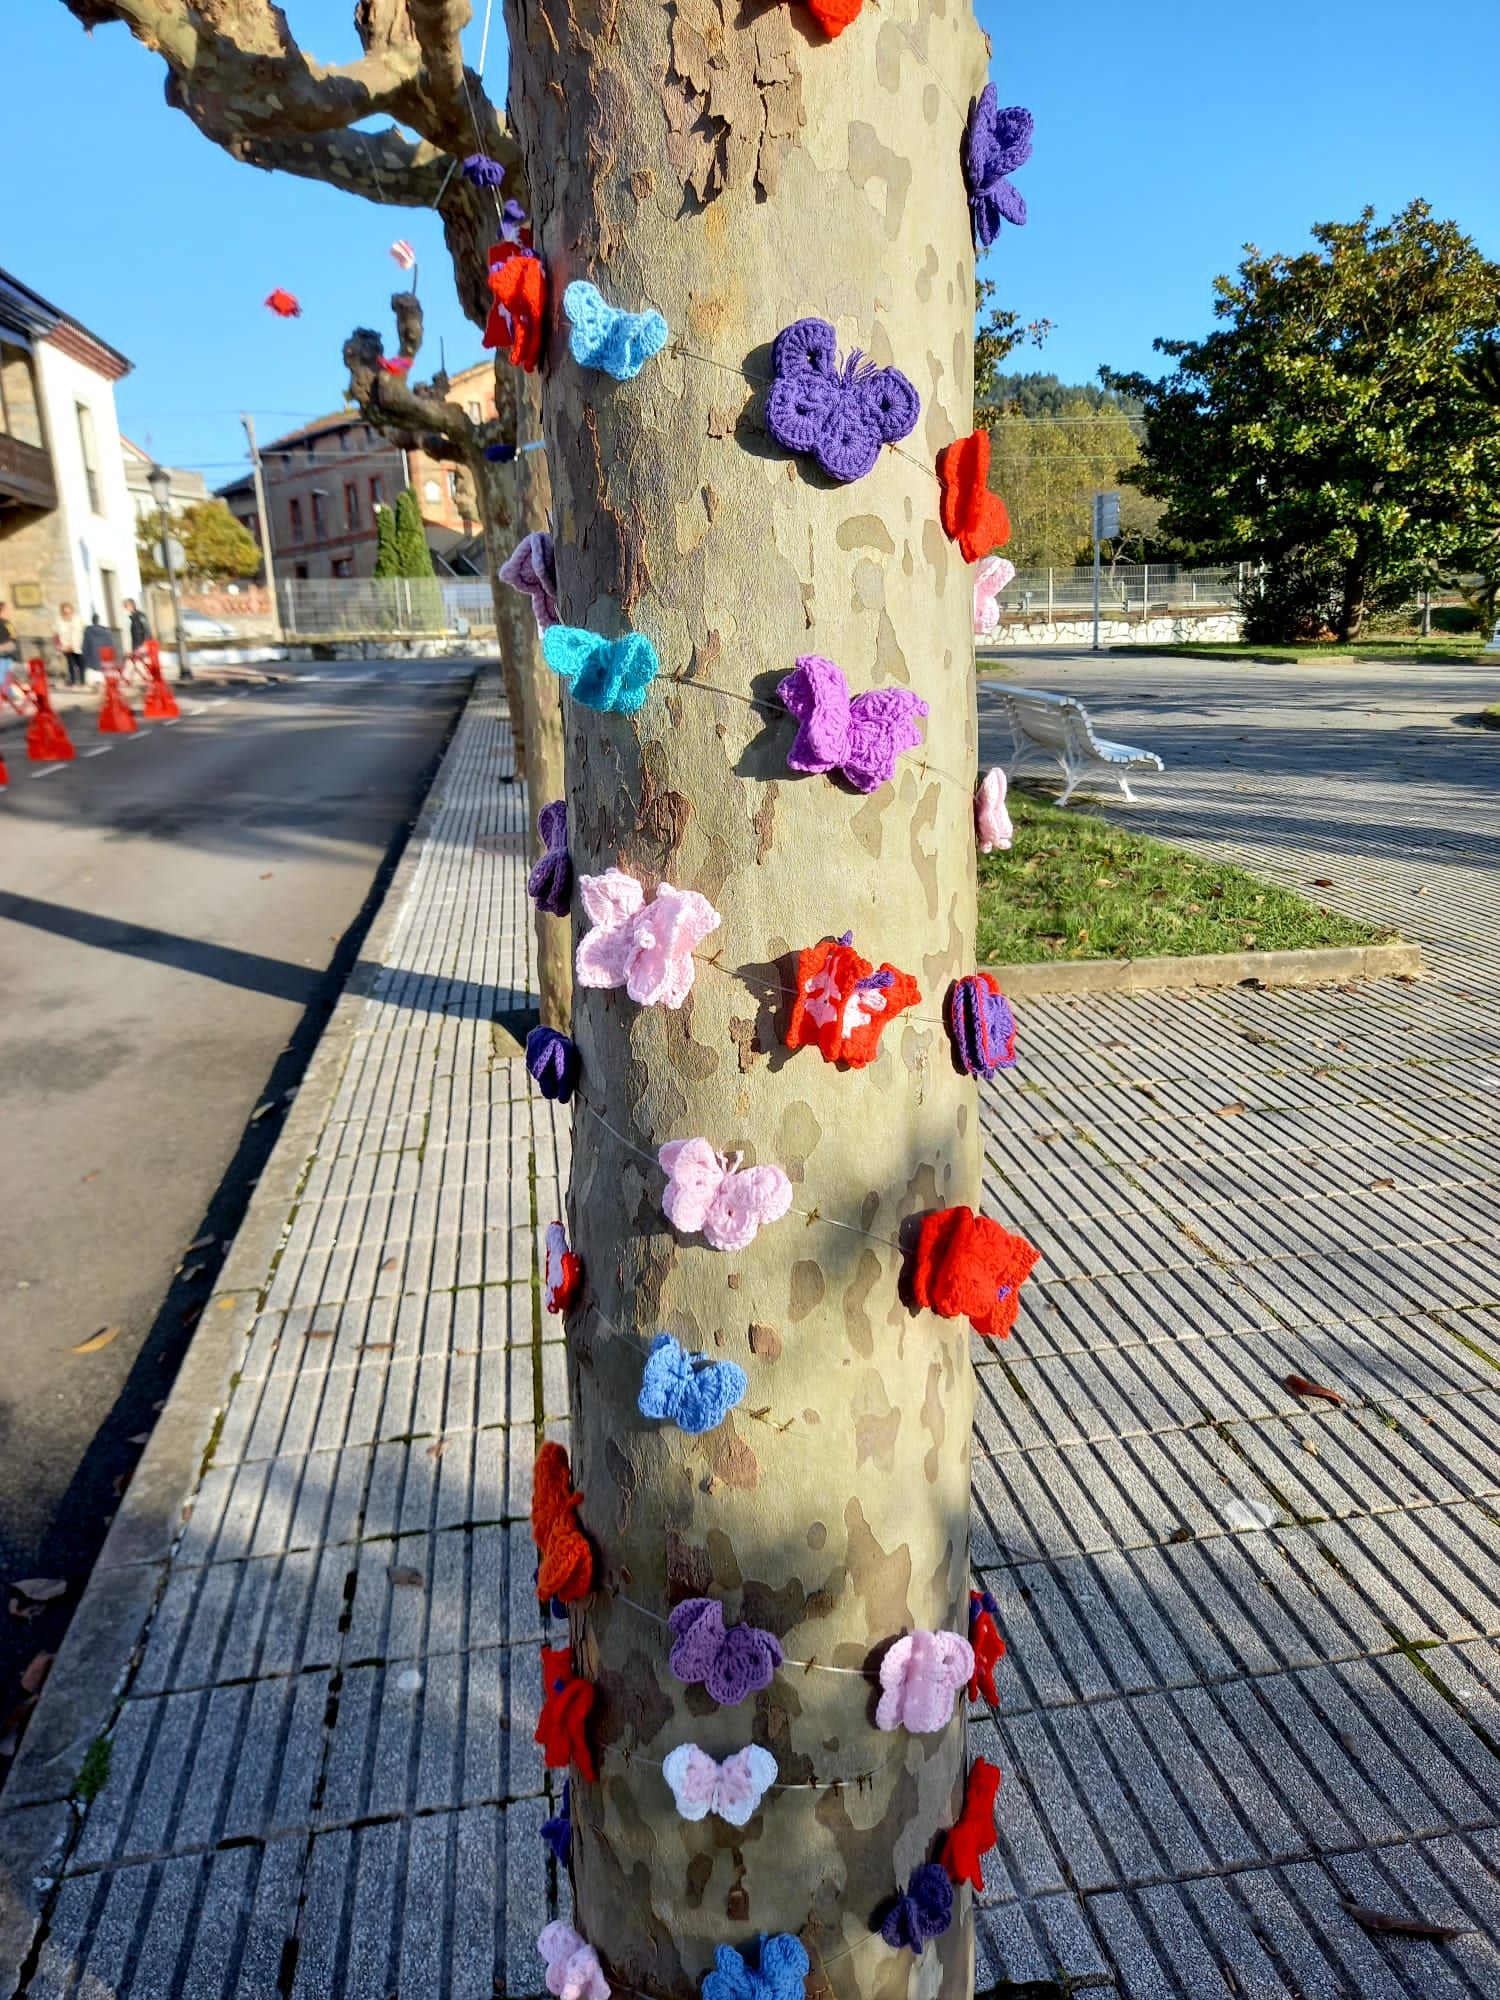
(862, 737)
(924, 1910)
(995, 143)
(550, 882)
(730, 1664)
(784, 1966)
(842, 416)
(480, 171)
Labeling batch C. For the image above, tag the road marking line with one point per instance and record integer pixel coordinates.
(99, 750)
(51, 770)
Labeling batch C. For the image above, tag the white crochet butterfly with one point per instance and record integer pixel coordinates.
(733, 1789)
(709, 1192)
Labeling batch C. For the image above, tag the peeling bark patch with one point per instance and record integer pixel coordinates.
(731, 1459)
(623, 1474)
(856, 1319)
(876, 1422)
(924, 277)
(890, 660)
(797, 1137)
(867, 587)
(765, 1342)
(633, 1701)
(882, 1577)
(746, 1043)
(699, 1873)
(817, 1536)
(689, 1573)
(732, 98)
(869, 160)
(934, 1421)
(763, 823)
(865, 531)
(805, 1290)
(868, 826)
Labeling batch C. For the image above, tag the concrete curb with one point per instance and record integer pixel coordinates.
(103, 1642)
(1331, 965)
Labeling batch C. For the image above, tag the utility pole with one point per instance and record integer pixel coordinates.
(1106, 527)
(263, 511)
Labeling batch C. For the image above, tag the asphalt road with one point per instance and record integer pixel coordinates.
(178, 912)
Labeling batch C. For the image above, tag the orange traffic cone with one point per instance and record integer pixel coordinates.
(160, 704)
(4, 774)
(47, 742)
(116, 716)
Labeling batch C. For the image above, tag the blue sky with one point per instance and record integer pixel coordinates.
(1166, 138)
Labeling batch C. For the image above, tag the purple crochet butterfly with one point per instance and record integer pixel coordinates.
(730, 1664)
(995, 143)
(842, 416)
(862, 737)
(551, 880)
(924, 1911)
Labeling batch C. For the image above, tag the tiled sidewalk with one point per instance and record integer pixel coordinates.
(1212, 1729)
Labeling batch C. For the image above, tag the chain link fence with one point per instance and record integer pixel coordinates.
(383, 607)
(1132, 588)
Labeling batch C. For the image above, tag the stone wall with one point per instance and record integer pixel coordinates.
(1167, 628)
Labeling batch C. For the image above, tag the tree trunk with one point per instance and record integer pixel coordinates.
(737, 171)
(515, 498)
(1352, 606)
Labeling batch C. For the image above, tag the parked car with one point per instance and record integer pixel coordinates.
(198, 625)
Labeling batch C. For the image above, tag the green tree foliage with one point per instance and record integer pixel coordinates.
(387, 556)
(1053, 445)
(215, 548)
(1329, 425)
(997, 335)
(411, 537)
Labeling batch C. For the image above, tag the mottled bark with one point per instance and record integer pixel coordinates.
(736, 171)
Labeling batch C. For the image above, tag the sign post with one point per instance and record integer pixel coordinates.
(1106, 527)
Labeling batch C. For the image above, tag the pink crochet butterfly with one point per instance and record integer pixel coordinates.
(991, 577)
(733, 1789)
(573, 1968)
(920, 1677)
(709, 1192)
(645, 947)
(991, 818)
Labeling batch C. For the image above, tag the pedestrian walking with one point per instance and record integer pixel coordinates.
(68, 639)
(97, 638)
(10, 652)
(140, 631)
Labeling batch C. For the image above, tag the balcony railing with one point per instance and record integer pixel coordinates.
(26, 474)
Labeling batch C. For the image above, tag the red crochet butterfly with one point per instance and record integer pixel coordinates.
(972, 516)
(518, 284)
(567, 1557)
(833, 16)
(975, 1832)
(567, 1703)
(843, 1003)
(968, 1267)
(396, 364)
(283, 304)
(988, 1647)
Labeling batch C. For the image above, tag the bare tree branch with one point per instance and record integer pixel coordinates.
(383, 167)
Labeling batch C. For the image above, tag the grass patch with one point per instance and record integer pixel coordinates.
(1446, 651)
(93, 1774)
(1073, 886)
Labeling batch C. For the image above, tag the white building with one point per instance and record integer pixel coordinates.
(67, 520)
(188, 489)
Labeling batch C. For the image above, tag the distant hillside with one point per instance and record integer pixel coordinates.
(1037, 395)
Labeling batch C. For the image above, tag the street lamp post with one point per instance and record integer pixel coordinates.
(160, 482)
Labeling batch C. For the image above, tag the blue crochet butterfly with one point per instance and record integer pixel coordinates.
(841, 415)
(608, 674)
(689, 1390)
(924, 1911)
(604, 337)
(783, 1972)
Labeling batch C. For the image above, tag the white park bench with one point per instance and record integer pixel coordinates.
(1055, 729)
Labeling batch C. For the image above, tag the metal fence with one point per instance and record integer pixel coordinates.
(1132, 588)
(361, 607)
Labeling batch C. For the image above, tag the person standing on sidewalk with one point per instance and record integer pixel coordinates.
(140, 631)
(10, 652)
(68, 639)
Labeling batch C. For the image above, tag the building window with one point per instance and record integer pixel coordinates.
(343, 565)
(431, 491)
(294, 507)
(311, 447)
(474, 413)
(19, 417)
(252, 524)
(300, 572)
(320, 524)
(90, 456)
(452, 485)
(111, 592)
(377, 492)
(351, 505)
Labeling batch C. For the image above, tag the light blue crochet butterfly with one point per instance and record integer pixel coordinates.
(608, 674)
(689, 1390)
(604, 337)
(783, 1972)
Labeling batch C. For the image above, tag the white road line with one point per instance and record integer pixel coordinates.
(99, 750)
(49, 770)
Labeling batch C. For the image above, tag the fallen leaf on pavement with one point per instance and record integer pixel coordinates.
(93, 1176)
(187, 1272)
(389, 1264)
(268, 874)
(400, 1574)
(437, 1450)
(200, 1243)
(37, 1672)
(41, 1589)
(1309, 1447)
(1241, 1513)
(1399, 1926)
(1422, 891)
(97, 1340)
(319, 1333)
(25, 1612)
(260, 1112)
(1322, 881)
(1299, 1385)
(1229, 1111)
(376, 1346)
(1385, 1181)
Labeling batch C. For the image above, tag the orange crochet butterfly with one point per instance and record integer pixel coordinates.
(833, 16)
(972, 516)
(518, 284)
(567, 1557)
(283, 304)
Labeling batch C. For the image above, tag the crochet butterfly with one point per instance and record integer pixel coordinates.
(553, 1062)
(611, 675)
(566, 1570)
(567, 1703)
(922, 1911)
(843, 1004)
(992, 825)
(784, 1967)
(550, 883)
(562, 1271)
(283, 304)
(573, 1968)
(730, 1204)
(991, 577)
(967, 1267)
(981, 1024)
(733, 1790)
(689, 1390)
(558, 1831)
(842, 416)
(833, 16)
(518, 285)
(480, 171)
(971, 515)
(860, 738)
(605, 337)
(919, 1678)
(645, 947)
(974, 1832)
(995, 143)
(397, 364)
(531, 567)
(989, 1647)
(731, 1664)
